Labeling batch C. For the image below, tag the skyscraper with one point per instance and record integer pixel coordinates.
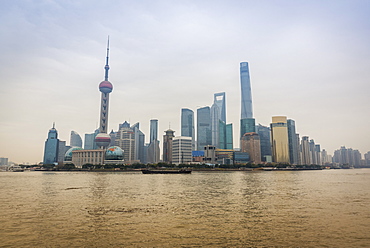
(218, 116)
(51, 147)
(153, 130)
(293, 145)
(247, 122)
(279, 137)
(204, 132)
(220, 100)
(246, 93)
(187, 125)
(305, 151)
(247, 125)
(265, 141)
(229, 136)
(139, 142)
(105, 87)
(75, 139)
(153, 148)
(125, 139)
(167, 146)
(89, 143)
(250, 143)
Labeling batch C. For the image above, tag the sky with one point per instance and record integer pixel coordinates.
(308, 60)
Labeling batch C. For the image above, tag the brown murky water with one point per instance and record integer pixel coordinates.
(205, 209)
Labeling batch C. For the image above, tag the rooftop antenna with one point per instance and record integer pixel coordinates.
(106, 67)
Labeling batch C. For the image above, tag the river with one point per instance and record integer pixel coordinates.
(329, 208)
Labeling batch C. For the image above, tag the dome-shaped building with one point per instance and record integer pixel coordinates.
(68, 155)
(114, 153)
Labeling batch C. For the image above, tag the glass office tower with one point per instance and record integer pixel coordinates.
(279, 137)
(246, 93)
(187, 125)
(204, 132)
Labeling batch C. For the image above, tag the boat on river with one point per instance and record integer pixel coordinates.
(181, 171)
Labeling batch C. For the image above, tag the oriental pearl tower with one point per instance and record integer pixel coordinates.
(103, 139)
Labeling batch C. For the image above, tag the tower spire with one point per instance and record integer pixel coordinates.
(107, 60)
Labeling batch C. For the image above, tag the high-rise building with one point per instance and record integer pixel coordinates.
(125, 139)
(89, 143)
(279, 137)
(313, 154)
(215, 125)
(167, 146)
(204, 131)
(187, 125)
(293, 143)
(250, 143)
(105, 87)
(181, 150)
(153, 130)
(4, 161)
(153, 148)
(62, 149)
(318, 154)
(305, 151)
(219, 99)
(75, 139)
(246, 92)
(51, 147)
(229, 136)
(348, 157)
(218, 121)
(367, 159)
(265, 141)
(247, 125)
(139, 142)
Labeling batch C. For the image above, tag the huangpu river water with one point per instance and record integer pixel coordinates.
(329, 208)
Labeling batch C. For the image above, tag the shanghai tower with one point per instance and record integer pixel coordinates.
(246, 91)
(247, 122)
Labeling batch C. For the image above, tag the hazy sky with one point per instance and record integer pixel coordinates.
(308, 60)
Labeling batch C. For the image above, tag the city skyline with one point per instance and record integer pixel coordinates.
(168, 56)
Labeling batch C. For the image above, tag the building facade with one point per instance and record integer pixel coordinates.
(293, 143)
(204, 131)
(250, 143)
(246, 93)
(153, 148)
(187, 125)
(75, 139)
(279, 137)
(167, 146)
(181, 150)
(305, 151)
(265, 141)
